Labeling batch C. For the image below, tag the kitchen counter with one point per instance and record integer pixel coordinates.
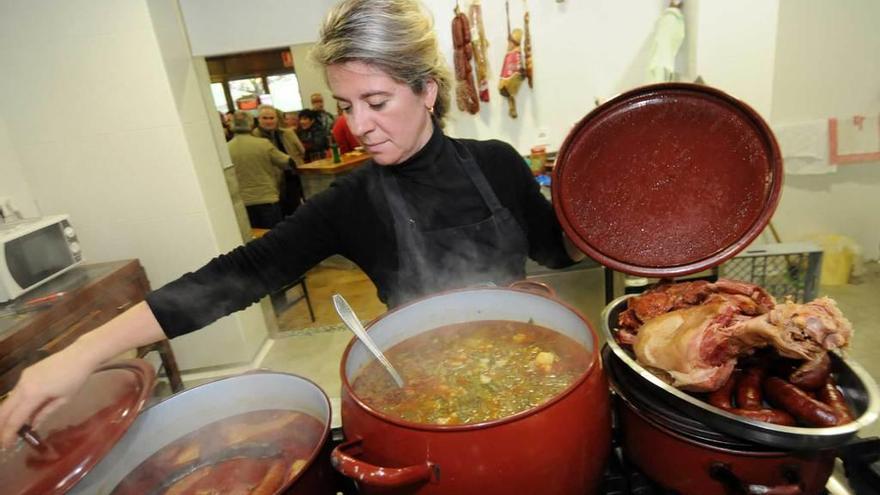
(89, 295)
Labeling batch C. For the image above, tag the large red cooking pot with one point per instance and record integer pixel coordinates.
(709, 451)
(102, 414)
(682, 454)
(558, 448)
(193, 408)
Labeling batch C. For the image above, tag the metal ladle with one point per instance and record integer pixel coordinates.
(354, 324)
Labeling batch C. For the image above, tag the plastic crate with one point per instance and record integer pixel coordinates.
(784, 270)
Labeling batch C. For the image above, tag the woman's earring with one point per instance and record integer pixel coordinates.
(431, 109)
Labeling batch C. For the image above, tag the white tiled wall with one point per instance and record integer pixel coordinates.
(12, 181)
(109, 125)
(828, 67)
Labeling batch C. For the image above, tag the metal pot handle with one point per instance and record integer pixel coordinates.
(723, 474)
(372, 475)
(534, 286)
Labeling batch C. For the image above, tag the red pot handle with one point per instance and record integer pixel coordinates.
(723, 474)
(534, 286)
(368, 474)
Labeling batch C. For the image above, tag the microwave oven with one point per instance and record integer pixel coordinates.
(34, 251)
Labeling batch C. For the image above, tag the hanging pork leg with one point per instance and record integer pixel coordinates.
(512, 71)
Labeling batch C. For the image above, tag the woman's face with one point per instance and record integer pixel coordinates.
(291, 120)
(391, 121)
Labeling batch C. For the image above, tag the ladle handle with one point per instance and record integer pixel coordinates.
(347, 315)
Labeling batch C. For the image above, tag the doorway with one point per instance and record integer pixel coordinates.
(244, 81)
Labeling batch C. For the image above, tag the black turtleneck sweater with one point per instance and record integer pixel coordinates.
(351, 218)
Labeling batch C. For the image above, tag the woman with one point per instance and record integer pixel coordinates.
(290, 121)
(312, 135)
(429, 213)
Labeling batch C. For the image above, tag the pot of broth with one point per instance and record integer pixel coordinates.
(260, 432)
(504, 393)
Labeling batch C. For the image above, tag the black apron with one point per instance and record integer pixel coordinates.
(492, 250)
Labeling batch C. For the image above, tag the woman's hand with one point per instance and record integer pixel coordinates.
(52, 382)
(43, 388)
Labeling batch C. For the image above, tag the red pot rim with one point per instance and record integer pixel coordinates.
(591, 367)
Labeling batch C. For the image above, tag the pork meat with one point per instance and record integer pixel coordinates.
(697, 347)
(667, 297)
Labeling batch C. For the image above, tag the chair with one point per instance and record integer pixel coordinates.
(169, 362)
(281, 303)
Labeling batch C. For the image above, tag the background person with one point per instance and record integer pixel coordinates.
(342, 135)
(290, 120)
(323, 116)
(313, 136)
(427, 213)
(287, 142)
(226, 122)
(284, 139)
(258, 168)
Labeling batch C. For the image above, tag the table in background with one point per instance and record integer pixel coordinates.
(318, 175)
(94, 294)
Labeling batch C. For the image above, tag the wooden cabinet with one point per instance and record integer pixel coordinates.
(94, 294)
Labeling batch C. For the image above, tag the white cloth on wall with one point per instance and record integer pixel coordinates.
(804, 147)
(668, 36)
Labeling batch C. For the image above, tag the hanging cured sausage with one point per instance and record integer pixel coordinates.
(481, 50)
(465, 90)
(527, 45)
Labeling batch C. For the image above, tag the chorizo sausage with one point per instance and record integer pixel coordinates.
(812, 374)
(748, 390)
(775, 416)
(721, 398)
(798, 403)
(465, 92)
(831, 395)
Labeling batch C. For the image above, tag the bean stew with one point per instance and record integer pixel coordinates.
(473, 372)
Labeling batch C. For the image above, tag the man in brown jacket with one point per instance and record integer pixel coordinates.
(287, 142)
(258, 166)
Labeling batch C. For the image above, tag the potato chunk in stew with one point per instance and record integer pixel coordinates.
(473, 372)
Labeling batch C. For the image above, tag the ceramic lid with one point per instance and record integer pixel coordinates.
(667, 180)
(78, 435)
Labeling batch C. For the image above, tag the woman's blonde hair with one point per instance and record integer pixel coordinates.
(396, 36)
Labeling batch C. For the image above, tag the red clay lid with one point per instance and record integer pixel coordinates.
(667, 180)
(77, 436)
